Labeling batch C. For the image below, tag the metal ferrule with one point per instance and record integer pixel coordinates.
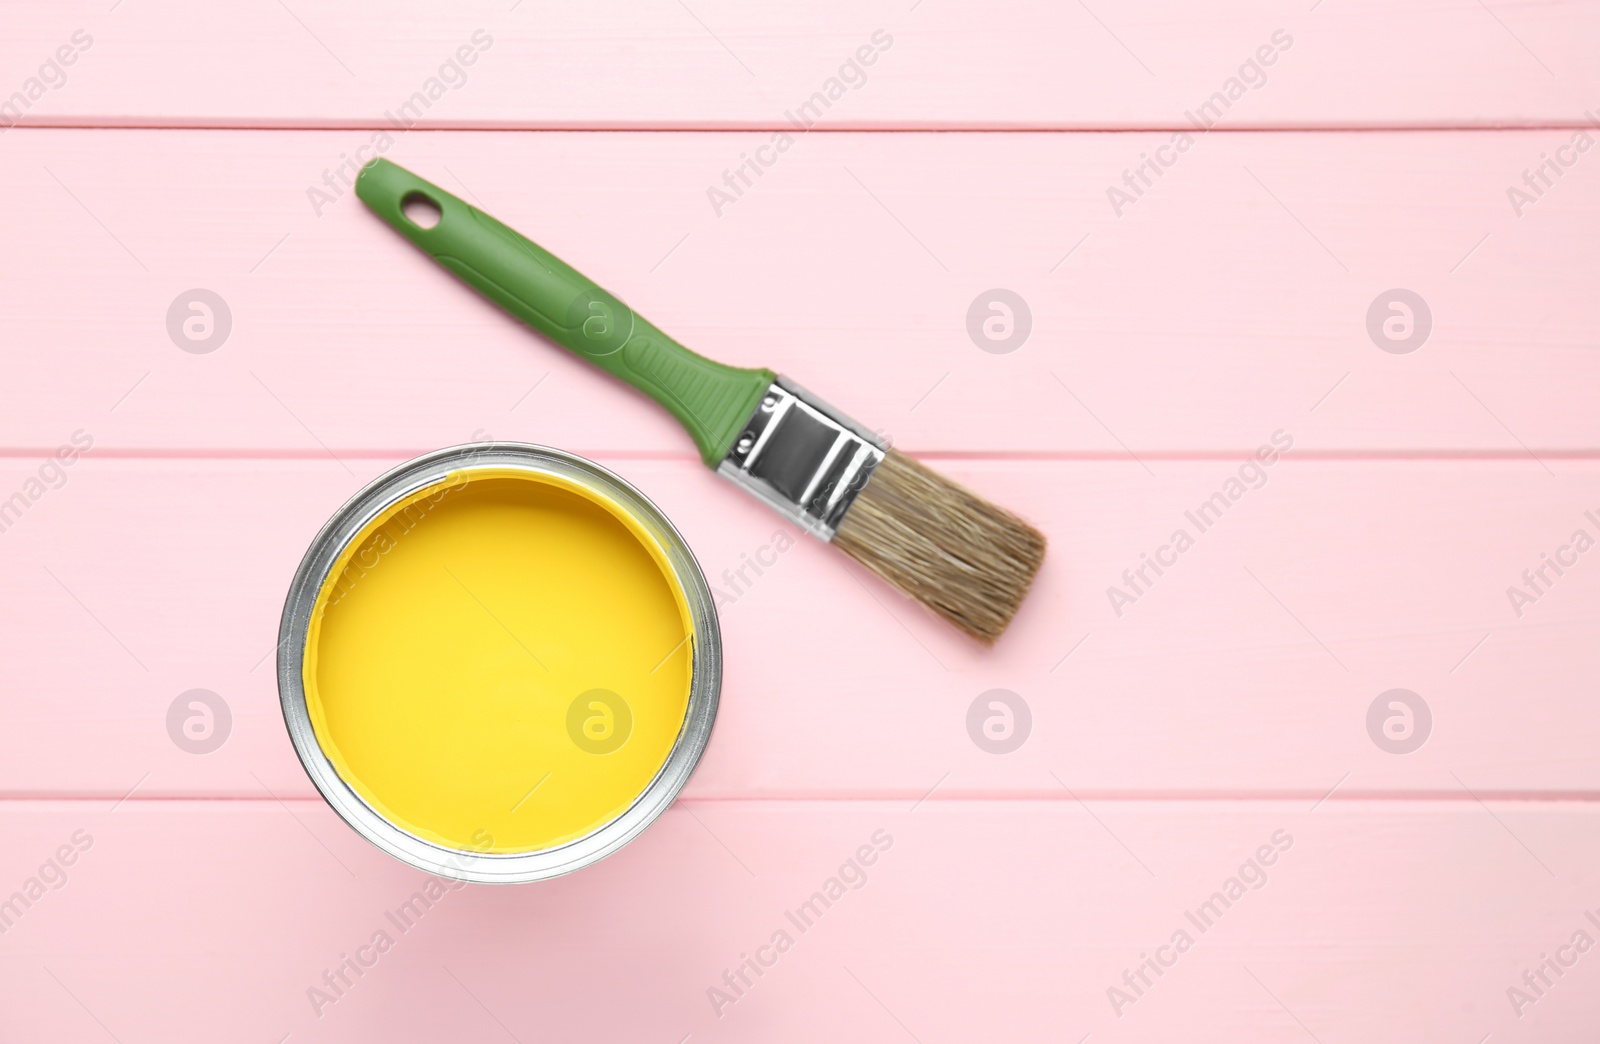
(803, 457)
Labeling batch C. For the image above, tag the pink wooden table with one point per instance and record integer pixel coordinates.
(1223, 822)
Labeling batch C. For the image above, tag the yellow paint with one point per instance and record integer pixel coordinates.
(452, 639)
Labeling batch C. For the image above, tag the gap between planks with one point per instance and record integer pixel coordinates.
(952, 796)
(1090, 456)
(622, 127)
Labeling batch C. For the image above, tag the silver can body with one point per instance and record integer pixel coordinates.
(374, 502)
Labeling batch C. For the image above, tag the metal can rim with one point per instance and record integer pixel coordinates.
(494, 867)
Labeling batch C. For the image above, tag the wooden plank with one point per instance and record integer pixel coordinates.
(852, 268)
(653, 64)
(1179, 719)
(998, 920)
(1246, 667)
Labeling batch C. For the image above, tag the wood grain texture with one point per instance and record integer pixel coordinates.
(1245, 668)
(986, 919)
(1178, 323)
(1230, 301)
(716, 63)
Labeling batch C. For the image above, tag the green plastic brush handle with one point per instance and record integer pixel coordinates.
(709, 399)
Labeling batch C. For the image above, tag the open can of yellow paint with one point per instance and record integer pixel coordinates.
(499, 662)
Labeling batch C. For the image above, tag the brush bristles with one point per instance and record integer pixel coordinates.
(966, 559)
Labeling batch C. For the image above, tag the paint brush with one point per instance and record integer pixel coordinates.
(966, 559)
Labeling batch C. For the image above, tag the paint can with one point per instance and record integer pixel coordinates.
(403, 689)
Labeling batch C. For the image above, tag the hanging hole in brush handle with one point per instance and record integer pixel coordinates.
(710, 400)
(420, 210)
